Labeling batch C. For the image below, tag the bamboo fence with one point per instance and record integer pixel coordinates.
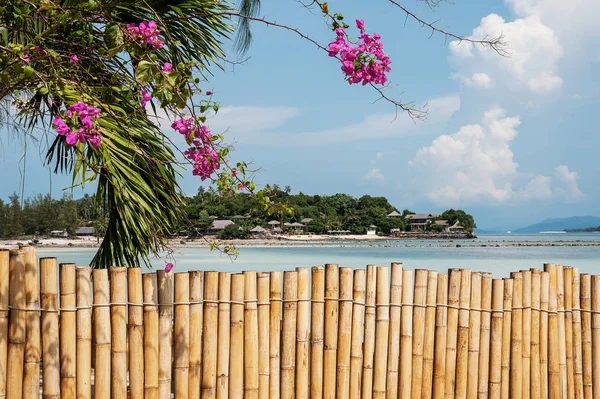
(321, 332)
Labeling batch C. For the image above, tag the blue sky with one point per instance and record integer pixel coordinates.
(512, 140)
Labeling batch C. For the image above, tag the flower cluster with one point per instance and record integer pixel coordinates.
(203, 157)
(364, 62)
(83, 116)
(148, 32)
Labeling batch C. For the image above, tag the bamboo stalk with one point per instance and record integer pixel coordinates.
(554, 383)
(118, 322)
(516, 338)
(181, 362)
(595, 336)
(196, 313)
(495, 380)
(417, 331)
(535, 333)
(331, 329)
(441, 332)
(50, 341)
(16, 326)
(544, 292)
(474, 336)
(288, 332)
(264, 309)
(151, 350)
(4, 293)
(395, 314)
(251, 337)
(506, 334)
(236, 367)
(165, 332)
(101, 334)
(209, 338)
(84, 333)
(586, 334)
(462, 345)
(429, 340)
(135, 331)
(358, 319)
(577, 345)
(369, 340)
(452, 332)
(484, 337)
(568, 290)
(31, 368)
(562, 346)
(344, 334)
(381, 332)
(274, 335)
(224, 324)
(68, 326)
(526, 337)
(302, 334)
(317, 314)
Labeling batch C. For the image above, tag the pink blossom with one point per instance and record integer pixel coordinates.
(26, 58)
(209, 93)
(168, 267)
(74, 59)
(82, 118)
(167, 67)
(146, 32)
(146, 97)
(360, 24)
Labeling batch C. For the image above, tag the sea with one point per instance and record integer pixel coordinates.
(496, 253)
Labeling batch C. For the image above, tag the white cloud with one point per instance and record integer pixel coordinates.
(481, 79)
(375, 175)
(243, 119)
(476, 165)
(378, 157)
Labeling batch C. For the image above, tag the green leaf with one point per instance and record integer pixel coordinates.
(113, 36)
(144, 72)
(27, 71)
(43, 91)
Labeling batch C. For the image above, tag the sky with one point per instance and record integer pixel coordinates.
(512, 140)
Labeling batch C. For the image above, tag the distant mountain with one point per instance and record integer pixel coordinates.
(574, 222)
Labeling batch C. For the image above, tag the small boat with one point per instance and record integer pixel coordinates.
(508, 232)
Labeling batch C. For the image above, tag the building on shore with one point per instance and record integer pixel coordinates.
(219, 225)
(420, 221)
(85, 232)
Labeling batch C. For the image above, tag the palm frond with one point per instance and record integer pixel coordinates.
(243, 39)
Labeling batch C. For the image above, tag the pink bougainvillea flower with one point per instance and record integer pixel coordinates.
(74, 59)
(168, 267)
(26, 58)
(209, 93)
(81, 117)
(146, 97)
(146, 31)
(167, 67)
(360, 24)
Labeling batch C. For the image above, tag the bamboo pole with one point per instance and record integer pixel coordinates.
(165, 332)
(264, 309)
(4, 293)
(462, 345)
(417, 319)
(31, 369)
(236, 367)
(224, 324)
(369, 340)
(516, 338)
(474, 336)
(102, 336)
(209, 336)
(544, 292)
(84, 333)
(135, 332)
(562, 339)
(586, 334)
(495, 380)
(484, 336)
(151, 350)
(506, 334)
(317, 314)
(251, 337)
(275, 335)
(595, 336)
(181, 361)
(118, 322)
(302, 334)
(554, 383)
(50, 341)
(395, 314)
(196, 313)
(452, 332)
(568, 290)
(16, 326)
(288, 332)
(535, 333)
(526, 337)
(358, 319)
(441, 332)
(331, 329)
(429, 340)
(344, 334)
(68, 327)
(381, 332)
(577, 345)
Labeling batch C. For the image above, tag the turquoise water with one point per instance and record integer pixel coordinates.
(440, 255)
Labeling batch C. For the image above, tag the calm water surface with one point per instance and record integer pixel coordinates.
(435, 255)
